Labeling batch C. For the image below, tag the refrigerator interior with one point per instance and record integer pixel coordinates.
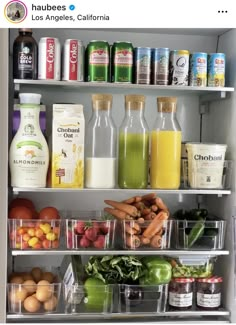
(215, 125)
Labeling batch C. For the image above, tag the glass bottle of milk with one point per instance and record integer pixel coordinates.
(101, 137)
(29, 154)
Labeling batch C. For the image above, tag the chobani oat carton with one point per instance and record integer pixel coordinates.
(68, 146)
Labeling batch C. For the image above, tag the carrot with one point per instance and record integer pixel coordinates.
(127, 208)
(145, 211)
(133, 200)
(149, 196)
(154, 208)
(156, 224)
(150, 216)
(156, 241)
(140, 220)
(132, 241)
(145, 241)
(117, 213)
(160, 204)
(139, 205)
(130, 230)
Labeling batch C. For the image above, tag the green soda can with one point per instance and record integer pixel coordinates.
(122, 62)
(97, 61)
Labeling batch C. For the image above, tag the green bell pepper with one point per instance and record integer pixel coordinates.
(156, 271)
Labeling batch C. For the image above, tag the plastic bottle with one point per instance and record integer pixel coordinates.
(133, 145)
(25, 55)
(166, 146)
(101, 137)
(29, 154)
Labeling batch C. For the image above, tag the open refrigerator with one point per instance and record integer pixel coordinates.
(205, 114)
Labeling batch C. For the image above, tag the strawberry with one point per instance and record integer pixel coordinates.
(84, 242)
(104, 228)
(80, 227)
(99, 242)
(91, 233)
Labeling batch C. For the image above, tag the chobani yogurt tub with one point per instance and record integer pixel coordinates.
(205, 164)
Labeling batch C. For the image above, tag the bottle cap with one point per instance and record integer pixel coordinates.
(28, 98)
(134, 101)
(102, 101)
(166, 104)
(29, 30)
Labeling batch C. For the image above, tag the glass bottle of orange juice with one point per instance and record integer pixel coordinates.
(166, 146)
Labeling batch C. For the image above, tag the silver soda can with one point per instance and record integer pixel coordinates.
(198, 69)
(216, 70)
(160, 66)
(73, 60)
(179, 68)
(49, 66)
(142, 65)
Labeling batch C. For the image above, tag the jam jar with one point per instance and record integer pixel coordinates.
(209, 293)
(181, 293)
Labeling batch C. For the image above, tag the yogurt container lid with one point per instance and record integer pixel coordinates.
(30, 98)
(204, 144)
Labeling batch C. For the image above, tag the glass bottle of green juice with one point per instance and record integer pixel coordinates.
(133, 152)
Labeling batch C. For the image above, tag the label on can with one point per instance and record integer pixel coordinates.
(198, 69)
(179, 68)
(73, 69)
(142, 65)
(50, 58)
(99, 57)
(180, 299)
(160, 66)
(208, 300)
(216, 70)
(122, 62)
(123, 57)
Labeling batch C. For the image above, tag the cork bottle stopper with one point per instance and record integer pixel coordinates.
(166, 104)
(102, 101)
(134, 101)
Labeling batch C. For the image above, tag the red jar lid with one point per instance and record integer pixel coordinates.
(214, 279)
(183, 280)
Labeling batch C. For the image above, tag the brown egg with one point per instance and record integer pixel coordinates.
(17, 279)
(36, 272)
(50, 304)
(43, 283)
(30, 286)
(27, 276)
(31, 304)
(48, 276)
(18, 295)
(44, 293)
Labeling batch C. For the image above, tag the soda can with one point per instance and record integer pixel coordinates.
(216, 70)
(179, 67)
(73, 60)
(97, 61)
(198, 69)
(122, 62)
(160, 66)
(49, 65)
(142, 65)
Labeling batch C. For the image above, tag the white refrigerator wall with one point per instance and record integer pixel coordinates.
(219, 127)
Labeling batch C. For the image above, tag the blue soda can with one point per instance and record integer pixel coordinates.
(142, 65)
(216, 70)
(198, 69)
(160, 66)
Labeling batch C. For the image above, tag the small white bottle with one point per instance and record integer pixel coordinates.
(29, 154)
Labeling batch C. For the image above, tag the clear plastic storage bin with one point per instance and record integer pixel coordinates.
(33, 294)
(133, 235)
(92, 299)
(193, 267)
(200, 234)
(142, 299)
(34, 234)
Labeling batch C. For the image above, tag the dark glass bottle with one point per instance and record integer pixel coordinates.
(25, 56)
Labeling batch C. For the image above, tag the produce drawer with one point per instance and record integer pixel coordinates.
(84, 234)
(195, 267)
(200, 234)
(33, 291)
(141, 299)
(134, 235)
(34, 234)
(88, 298)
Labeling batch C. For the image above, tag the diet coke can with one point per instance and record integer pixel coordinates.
(49, 66)
(73, 60)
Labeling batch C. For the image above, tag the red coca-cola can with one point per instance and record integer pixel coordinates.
(73, 60)
(49, 66)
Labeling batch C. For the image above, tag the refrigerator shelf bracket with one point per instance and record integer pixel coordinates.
(214, 96)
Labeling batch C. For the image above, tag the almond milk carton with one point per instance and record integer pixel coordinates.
(68, 146)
